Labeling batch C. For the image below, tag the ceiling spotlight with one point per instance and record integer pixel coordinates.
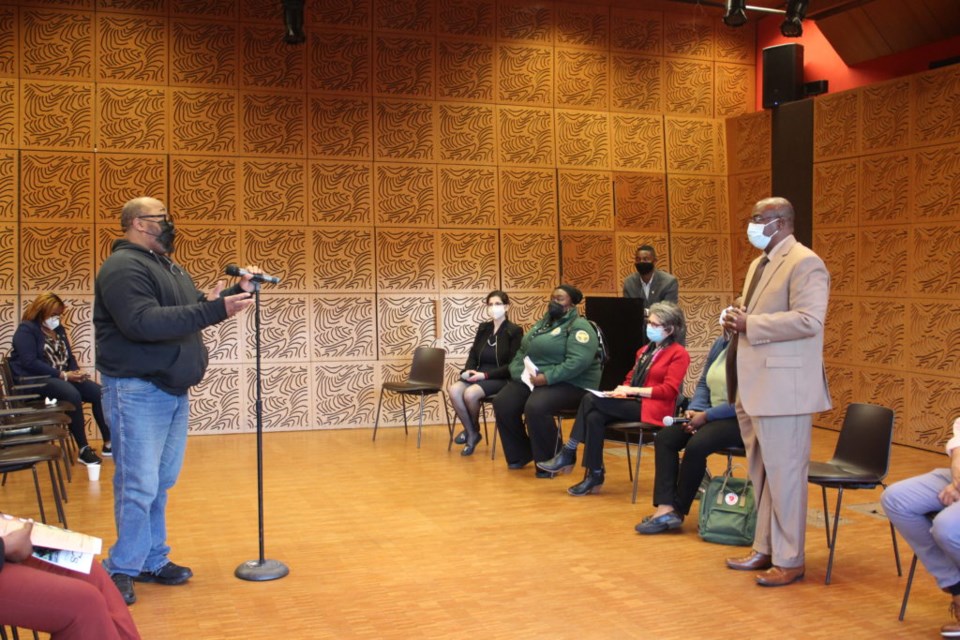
(736, 14)
(792, 26)
(293, 21)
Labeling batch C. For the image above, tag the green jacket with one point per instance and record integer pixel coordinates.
(564, 351)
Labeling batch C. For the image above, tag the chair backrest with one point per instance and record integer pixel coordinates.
(865, 439)
(427, 367)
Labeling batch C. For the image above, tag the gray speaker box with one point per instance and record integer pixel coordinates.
(782, 74)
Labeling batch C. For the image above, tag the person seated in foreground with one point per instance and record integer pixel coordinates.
(648, 393)
(712, 426)
(487, 369)
(67, 604)
(910, 503)
(563, 347)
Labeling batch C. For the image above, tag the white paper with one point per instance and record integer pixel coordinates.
(73, 560)
(529, 370)
(599, 394)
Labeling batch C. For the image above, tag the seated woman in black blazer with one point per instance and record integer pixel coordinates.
(41, 348)
(487, 369)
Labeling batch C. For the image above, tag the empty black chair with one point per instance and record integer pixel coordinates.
(28, 456)
(425, 378)
(860, 461)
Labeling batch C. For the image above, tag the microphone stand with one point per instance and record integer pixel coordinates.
(260, 570)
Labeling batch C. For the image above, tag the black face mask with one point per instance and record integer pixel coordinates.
(556, 311)
(166, 236)
(643, 268)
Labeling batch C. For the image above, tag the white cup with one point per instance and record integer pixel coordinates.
(93, 472)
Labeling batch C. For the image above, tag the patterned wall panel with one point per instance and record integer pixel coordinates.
(640, 202)
(936, 174)
(203, 189)
(120, 178)
(56, 44)
(346, 13)
(55, 257)
(934, 98)
(9, 186)
(283, 329)
(273, 191)
(460, 315)
(341, 62)
(466, 133)
(203, 121)
(404, 130)
(527, 308)
(836, 126)
(404, 66)
(217, 405)
(9, 314)
(885, 388)
(735, 92)
(136, 6)
(885, 116)
(933, 342)
(203, 54)
(836, 195)
(343, 260)
(56, 187)
(636, 83)
(881, 325)
(749, 142)
(529, 260)
(883, 260)
(693, 145)
(9, 257)
(9, 114)
(343, 327)
(226, 9)
(637, 31)
(131, 49)
(406, 322)
(736, 45)
(9, 49)
(258, 10)
(583, 139)
(745, 191)
(838, 249)
(404, 15)
(469, 261)
(465, 70)
(407, 261)
(525, 22)
(582, 26)
(589, 261)
(132, 118)
(340, 193)
(57, 115)
(840, 328)
(467, 18)
(935, 257)
(405, 195)
(688, 87)
(582, 79)
(841, 381)
(525, 75)
(693, 259)
(697, 203)
(586, 200)
(340, 127)
(885, 185)
(344, 395)
(528, 198)
(285, 393)
(223, 340)
(933, 403)
(688, 36)
(204, 251)
(702, 311)
(280, 252)
(267, 62)
(272, 124)
(526, 136)
(467, 196)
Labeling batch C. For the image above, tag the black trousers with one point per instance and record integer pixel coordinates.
(593, 416)
(539, 442)
(676, 483)
(76, 393)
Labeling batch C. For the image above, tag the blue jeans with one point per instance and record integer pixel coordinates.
(149, 428)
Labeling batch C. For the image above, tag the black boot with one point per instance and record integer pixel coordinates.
(563, 461)
(461, 438)
(591, 483)
(472, 440)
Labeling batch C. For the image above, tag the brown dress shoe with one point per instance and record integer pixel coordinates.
(753, 562)
(952, 629)
(780, 576)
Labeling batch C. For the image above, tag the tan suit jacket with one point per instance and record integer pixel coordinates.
(780, 359)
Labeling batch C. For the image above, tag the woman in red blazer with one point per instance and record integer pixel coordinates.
(653, 384)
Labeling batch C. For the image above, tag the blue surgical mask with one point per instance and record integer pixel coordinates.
(656, 334)
(755, 234)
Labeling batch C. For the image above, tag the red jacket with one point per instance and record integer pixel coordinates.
(665, 377)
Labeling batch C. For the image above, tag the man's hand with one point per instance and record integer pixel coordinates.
(16, 544)
(214, 293)
(735, 320)
(237, 303)
(949, 494)
(245, 281)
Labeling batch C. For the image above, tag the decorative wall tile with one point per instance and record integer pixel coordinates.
(881, 326)
(528, 198)
(583, 139)
(637, 142)
(273, 191)
(203, 189)
(9, 317)
(216, 403)
(9, 51)
(932, 405)
(54, 257)
(57, 115)
(132, 118)
(340, 127)
(586, 200)
(525, 136)
(735, 89)
(640, 202)
(120, 178)
(272, 124)
(636, 83)
(258, 10)
(701, 311)
(525, 75)
(885, 388)
(340, 193)
(582, 79)
(344, 13)
(403, 15)
(637, 31)
(204, 121)
(137, 6)
(933, 341)
(344, 395)
(404, 130)
(527, 308)
(56, 44)
(226, 9)
(204, 251)
(280, 252)
(749, 142)
(286, 397)
(404, 66)
(841, 381)
(589, 261)
(406, 261)
(688, 87)
(341, 62)
(343, 327)
(934, 98)
(9, 120)
(56, 187)
(838, 249)
(467, 196)
(267, 62)
(406, 322)
(745, 191)
(694, 260)
(469, 261)
(735, 45)
(885, 189)
(9, 186)
(885, 115)
(203, 54)
(460, 315)
(697, 203)
(836, 127)
(283, 329)
(405, 195)
(839, 329)
(688, 36)
(529, 260)
(935, 256)
(525, 22)
(582, 26)
(9, 257)
(465, 70)
(343, 260)
(223, 342)
(467, 18)
(883, 264)
(466, 133)
(692, 145)
(131, 49)
(836, 195)
(936, 174)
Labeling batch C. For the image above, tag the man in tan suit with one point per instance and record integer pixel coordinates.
(778, 368)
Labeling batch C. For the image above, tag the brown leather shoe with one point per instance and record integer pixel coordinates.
(780, 576)
(756, 561)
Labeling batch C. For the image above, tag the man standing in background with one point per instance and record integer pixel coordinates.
(649, 283)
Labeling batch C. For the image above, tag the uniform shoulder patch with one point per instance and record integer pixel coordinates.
(555, 332)
(582, 336)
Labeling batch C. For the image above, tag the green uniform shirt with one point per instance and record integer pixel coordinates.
(564, 351)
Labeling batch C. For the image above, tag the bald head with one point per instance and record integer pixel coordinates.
(779, 207)
(137, 207)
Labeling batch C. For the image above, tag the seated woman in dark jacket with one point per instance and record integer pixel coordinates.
(563, 348)
(487, 369)
(655, 381)
(713, 426)
(41, 348)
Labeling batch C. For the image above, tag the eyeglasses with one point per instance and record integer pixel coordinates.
(155, 216)
(758, 219)
(651, 323)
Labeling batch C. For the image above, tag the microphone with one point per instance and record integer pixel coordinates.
(670, 420)
(234, 270)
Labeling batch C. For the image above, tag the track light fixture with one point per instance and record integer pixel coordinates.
(792, 26)
(293, 21)
(736, 14)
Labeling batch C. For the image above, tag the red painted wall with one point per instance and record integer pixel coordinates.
(821, 61)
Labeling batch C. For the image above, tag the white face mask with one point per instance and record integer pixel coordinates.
(496, 311)
(52, 322)
(755, 234)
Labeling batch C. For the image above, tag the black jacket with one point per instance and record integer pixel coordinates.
(147, 315)
(508, 343)
(27, 356)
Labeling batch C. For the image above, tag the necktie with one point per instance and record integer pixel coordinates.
(732, 349)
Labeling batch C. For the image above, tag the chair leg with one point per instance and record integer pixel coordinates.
(626, 442)
(63, 488)
(493, 443)
(454, 426)
(64, 446)
(636, 471)
(896, 549)
(906, 592)
(826, 513)
(833, 542)
(376, 422)
(446, 413)
(419, 428)
(36, 484)
(403, 401)
(56, 495)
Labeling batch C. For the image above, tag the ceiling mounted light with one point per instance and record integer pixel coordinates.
(293, 21)
(792, 26)
(736, 14)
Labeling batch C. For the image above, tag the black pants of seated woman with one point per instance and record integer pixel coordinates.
(76, 393)
(593, 416)
(515, 401)
(677, 482)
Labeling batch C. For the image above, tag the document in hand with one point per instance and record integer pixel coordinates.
(529, 370)
(61, 547)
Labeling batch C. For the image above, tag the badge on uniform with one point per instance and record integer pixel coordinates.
(555, 332)
(582, 336)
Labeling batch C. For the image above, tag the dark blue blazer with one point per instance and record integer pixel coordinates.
(27, 357)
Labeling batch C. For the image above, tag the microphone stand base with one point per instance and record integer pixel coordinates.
(257, 571)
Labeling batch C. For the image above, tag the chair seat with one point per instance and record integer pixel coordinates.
(28, 455)
(647, 431)
(833, 474)
(406, 386)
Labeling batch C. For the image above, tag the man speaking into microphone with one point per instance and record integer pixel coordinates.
(148, 315)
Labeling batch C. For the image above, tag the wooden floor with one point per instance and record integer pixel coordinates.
(387, 541)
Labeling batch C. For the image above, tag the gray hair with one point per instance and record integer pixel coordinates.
(671, 315)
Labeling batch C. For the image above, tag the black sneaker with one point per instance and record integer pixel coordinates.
(106, 451)
(87, 456)
(125, 587)
(168, 574)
